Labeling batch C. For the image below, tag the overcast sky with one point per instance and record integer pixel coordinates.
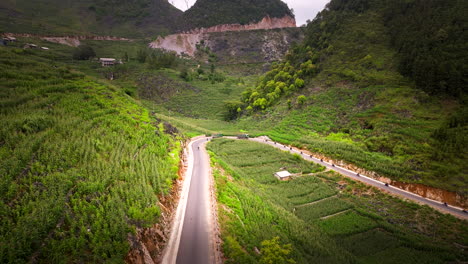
(304, 9)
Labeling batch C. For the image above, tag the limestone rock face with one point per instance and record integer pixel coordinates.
(180, 43)
(265, 23)
(185, 43)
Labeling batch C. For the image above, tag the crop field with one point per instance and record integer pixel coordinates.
(325, 217)
(207, 98)
(82, 164)
(322, 208)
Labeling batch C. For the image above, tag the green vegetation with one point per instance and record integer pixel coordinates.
(273, 252)
(129, 18)
(199, 94)
(283, 80)
(82, 163)
(351, 102)
(207, 13)
(85, 163)
(325, 217)
(431, 41)
(83, 52)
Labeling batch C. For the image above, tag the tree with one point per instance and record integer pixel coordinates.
(212, 68)
(301, 99)
(158, 59)
(141, 55)
(234, 109)
(274, 253)
(261, 103)
(83, 52)
(299, 83)
(184, 74)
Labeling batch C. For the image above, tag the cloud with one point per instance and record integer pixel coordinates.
(306, 9)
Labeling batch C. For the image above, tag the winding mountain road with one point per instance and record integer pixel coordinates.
(192, 238)
(455, 211)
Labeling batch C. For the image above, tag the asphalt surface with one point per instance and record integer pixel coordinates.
(195, 245)
(458, 212)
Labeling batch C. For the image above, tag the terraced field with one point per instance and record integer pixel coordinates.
(324, 216)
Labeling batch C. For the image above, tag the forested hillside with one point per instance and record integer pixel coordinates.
(431, 39)
(207, 13)
(126, 18)
(378, 84)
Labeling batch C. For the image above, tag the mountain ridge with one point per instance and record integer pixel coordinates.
(132, 18)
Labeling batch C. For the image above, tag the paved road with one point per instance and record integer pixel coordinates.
(192, 239)
(196, 241)
(391, 189)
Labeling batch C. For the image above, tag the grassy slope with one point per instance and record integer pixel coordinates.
(373, 227)
(82, 164)
(360, 109)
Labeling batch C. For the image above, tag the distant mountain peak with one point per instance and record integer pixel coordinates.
(209, 13)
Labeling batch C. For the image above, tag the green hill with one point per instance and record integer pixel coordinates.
(129, 18)
(207, 13)
(87, 163)
(378, 88)
(83, 165)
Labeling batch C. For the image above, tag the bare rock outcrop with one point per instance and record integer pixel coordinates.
(180, 43)
(185, 43)
(265, 23)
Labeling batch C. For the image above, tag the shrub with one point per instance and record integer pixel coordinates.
(301, 99)
(299, 83)
(274, 252)
(141, 55)
(185, 75)
(159, 59)
(83, 52)
(233, 109)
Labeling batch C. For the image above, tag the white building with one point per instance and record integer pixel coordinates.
(107, 61)
(283, 175)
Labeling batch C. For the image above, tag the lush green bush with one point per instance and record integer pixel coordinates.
(158, 59)
(142, 55)
(83, 52)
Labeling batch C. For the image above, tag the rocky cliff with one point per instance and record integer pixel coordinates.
(185, 43)
(266, 23)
